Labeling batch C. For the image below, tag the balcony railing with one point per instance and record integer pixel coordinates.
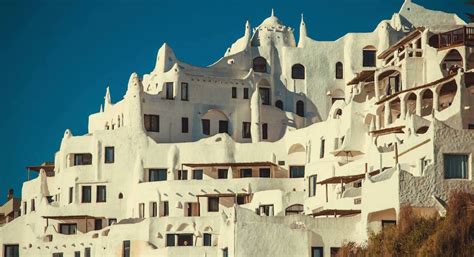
(461, 36)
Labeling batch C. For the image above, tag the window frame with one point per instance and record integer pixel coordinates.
(79, 159)
(464, 173)
(84, 197)
(207, 239)
(196, 175)
(184, 91)
(246, 130)
(265, 95)
(298, 71)
(206, 127)
(102, 189)
(159, 174)
(67, 228)
(109, 154)
(212, 204)
(151, 122)
(296, 175)
(234, 92)
(184, 125)
(169, 90)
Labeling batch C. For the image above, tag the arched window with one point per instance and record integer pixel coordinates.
(279, 104)
(259, 64)
(339, 71)
(337, 114)
(295, 209)
(369, 56)
(298, 71)
(300, 108)
(120, 196)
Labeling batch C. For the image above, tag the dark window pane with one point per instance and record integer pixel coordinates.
(246, 93)
(207, 238)
(86, 194)
(245, 173)
(279, 104)
(184, 91)
(101, 194)
(126, 248)
(316, 252)
(296, 171)
(339, 70)
(223, 126)
(157, 175)
(87, 252)
(234, 92)
(265, 172)
(170, 239)
(246, 130)
(109, 154)
(169, 90)
(97, 224)
(197, 174)
(265, 95)
(264, 131)
(297, 71)
(456, 166)
(222, 173)
(206, 127)
(83, 159)
(184, 125)
(213, 204)
(152, 123)
(259, 64)
(300, 108)
(369, 58)
(185, 239)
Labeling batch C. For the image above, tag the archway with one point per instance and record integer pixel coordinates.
(451, 62)
(446, 95)
(426, 102)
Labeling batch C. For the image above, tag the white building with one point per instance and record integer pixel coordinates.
(280, 148)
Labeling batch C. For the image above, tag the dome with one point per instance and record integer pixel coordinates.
(272, 21)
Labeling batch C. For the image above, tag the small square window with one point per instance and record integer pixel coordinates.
(222, 173)
(152, 123)
(246, 173)
(197, 174)
(456, 166)
(213, 204)
(264, 172)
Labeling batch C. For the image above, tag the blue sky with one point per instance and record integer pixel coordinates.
(58, 56)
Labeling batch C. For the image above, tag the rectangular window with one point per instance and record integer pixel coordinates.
(206, 126)
(321, 149)
(245, 173)
(126, 248)
(71, 194)
(264, 131)
(246, 130)
(207, 239)
(82, 159)
(388, 223)
(312, 185)
(246, 93)
(86, 194)
(169, 90)
(77, 254)
(185, 239)
(184, 91)
(296, 171)
(197, 174)
(170, 240)
(369, 58)
(101, 194)
(222, 173)
(266, 210)
(153, 209)
(109, 154)
(32, 205)
(265, 95)
(264, 172)
(224, 126)
(182, 175)
(68, 229)
(470, 126)
(316, 252)
(184, 125)
(157, 175)
(25, 209)
(87, 252)
(152, 123)
(112, 221)
(57, 254)
(213, 204)
(225, 252)
(11, 250)
(97, 224)
(456, 166)
(241, 199)
(191, 210)
(165, 208)
(141, 210)
(234, 92)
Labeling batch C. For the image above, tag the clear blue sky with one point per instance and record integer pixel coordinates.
(58, 56)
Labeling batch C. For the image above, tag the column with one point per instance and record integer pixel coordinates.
(418, 105)
(376, 85)
(403, 108)
(386, 115)
(435, 101)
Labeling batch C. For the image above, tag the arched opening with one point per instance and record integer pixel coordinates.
(381, 115)
(452, 62)
(339, 70)
(296, 148)
(446, 95)
(300, 108)
(279, 104)
(120, 196)
(369, 56)
(411, 103)
(259, 64)
(294, 209)
(214, 121)
(422, 130)
(426, 102)
(298, 71)
(395, 109)
(434, 41)
(337, 114)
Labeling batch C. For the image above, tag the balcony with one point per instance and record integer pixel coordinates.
(463, 36)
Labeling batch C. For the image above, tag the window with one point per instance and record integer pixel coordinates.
(152, 123)
(321, 149)
(296, 171)
(170, 240)
(246, 130)
(265, 210)
(206, 127)
(112, 221)
(126, 248)
(68, 229)
(77, 254)
(120, 196)
(334, 251)
(207, 239)
(57, 254)
(169, 90)
(213, 204)
(246, 93)
(225, 252)
(97, 224)
(191, 210)
(300, 108)
(185, 239)
(141, 210)
(184, 91)
(279, 104)
(245, 173)
(223, 126)
(339, 71)
(82, 159)
(265, 95)
(264, 172)
(368, 58)
(101, 194)
(294, 209)
(87, 252)
(165, 208)
(86, 194)
(109, 154)
(456, 166)
(470, 126)
(32, 205)
(25, 205)
(388, 223)
(264, 131)
(157, 175)
(234, 92)
(71, 194)
(259, 64)
(197, 174)
(222, 173)
(316, 252)
(184, 125)
(312, 185)
(297, 71)
(241, 199)
(11, 250)
(182, 175)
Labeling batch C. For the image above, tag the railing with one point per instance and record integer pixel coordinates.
(461, 36)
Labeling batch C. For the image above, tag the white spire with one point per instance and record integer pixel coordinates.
(247, 28)
(108, 101)
(273, 13)
(303, 32)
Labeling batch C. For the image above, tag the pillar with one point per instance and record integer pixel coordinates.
(403, 108)
(435, 101)
(418, 105)
(376, 86)
(387, 113)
